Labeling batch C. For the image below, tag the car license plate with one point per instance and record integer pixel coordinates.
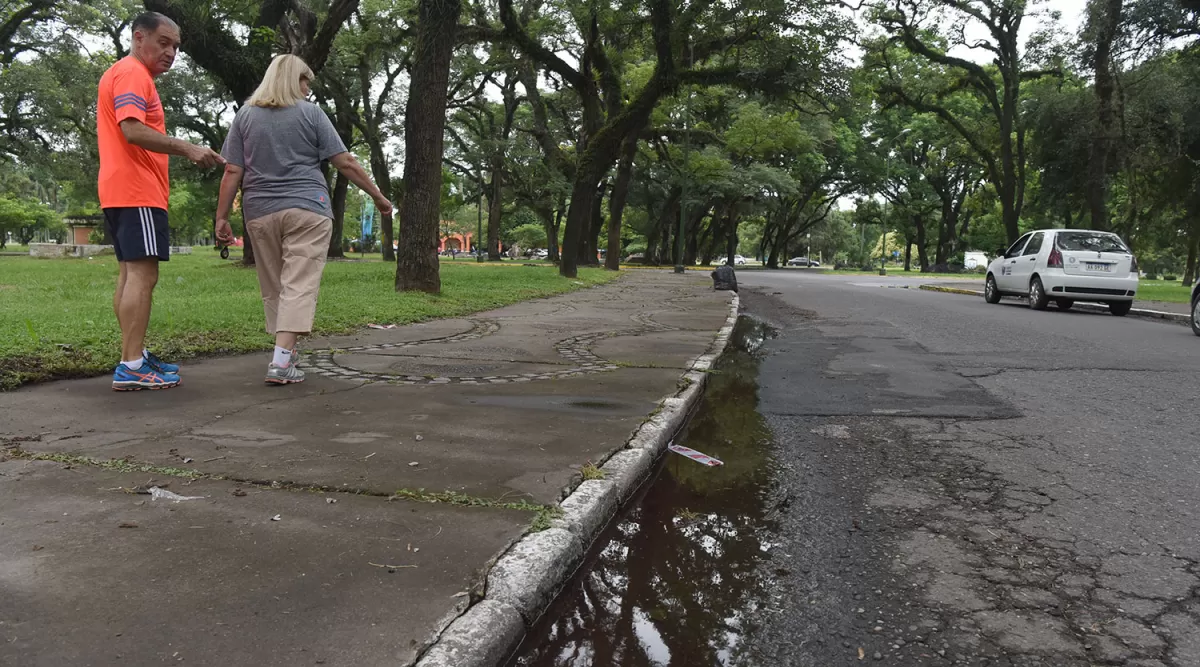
(1096, 266)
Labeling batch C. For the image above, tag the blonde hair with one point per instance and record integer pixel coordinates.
(280, 86)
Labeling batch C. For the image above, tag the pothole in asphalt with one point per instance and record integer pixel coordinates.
(672, 580)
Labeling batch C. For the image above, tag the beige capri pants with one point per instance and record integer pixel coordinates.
(289, 253)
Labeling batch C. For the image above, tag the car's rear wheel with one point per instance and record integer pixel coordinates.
(991, 293)
(1196, 316)
(1037, 295)
(1120, 308)
(1065, 304)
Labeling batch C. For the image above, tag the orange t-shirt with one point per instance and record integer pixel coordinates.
(130, 176)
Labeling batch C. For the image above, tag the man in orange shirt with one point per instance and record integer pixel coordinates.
(134, 191)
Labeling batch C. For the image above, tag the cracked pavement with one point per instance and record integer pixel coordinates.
(342, 522)
(969, 484)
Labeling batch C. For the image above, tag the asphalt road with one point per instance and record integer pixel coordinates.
(968, 484)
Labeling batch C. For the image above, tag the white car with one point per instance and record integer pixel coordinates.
(1065, 266)
(738, 260)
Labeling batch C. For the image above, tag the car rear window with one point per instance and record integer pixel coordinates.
(1090, 242)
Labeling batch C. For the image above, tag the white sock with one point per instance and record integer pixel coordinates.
(145, 353)
(134, 365)
(283, 357)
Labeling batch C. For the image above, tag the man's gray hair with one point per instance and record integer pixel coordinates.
(150, 21)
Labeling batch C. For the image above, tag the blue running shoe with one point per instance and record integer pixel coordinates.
(159, 364)
(146, 377)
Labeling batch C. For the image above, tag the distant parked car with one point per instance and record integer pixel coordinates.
(802, 261)
(1066, 265)
(738, 260)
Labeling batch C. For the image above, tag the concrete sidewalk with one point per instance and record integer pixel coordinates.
(344, 521)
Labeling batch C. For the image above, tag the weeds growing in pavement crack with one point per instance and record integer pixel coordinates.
(545, 513)
(118, 465)
(590, 472)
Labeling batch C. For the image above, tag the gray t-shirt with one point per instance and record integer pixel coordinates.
(281, 152)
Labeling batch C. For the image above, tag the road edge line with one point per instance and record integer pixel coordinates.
(1177, 318)
(531, 573)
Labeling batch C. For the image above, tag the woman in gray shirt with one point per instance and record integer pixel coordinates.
(274, 152)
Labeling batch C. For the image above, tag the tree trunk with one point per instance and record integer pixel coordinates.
(907, 254)
(495, 209)
(668, 220)
(603, 149)
(590, 255)
(1189, 275)
(546, 214)
(691, 246)
(424, 128)
(582, 193)
(732, 239)
(555, 248)
(665, 246)
(779, 243)
(383, 180)
(616, 203)
(922, 253)
(947, 233)
(1104, 18)
(773, 255)
(341, 186)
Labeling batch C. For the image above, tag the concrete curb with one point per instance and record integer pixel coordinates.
(951, 290)
(1178, 318)
(527, 578)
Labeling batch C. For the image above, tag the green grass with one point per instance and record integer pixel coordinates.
(56, 317)
(1161, 290)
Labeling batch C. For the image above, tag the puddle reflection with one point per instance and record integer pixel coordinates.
(677, 575)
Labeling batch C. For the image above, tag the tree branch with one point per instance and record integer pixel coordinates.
(318, 51)
(534, 49)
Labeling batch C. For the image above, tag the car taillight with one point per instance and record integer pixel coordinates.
(1055, 260)
(1133, 265)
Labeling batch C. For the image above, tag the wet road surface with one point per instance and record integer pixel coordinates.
(992, 485)
(922, 479)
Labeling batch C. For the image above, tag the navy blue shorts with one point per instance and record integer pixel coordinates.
(138, 233)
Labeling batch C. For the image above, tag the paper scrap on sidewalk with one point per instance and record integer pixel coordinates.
(694, 455)
(163, 494)
(381, 326)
